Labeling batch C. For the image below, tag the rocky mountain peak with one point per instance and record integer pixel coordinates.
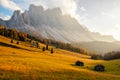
(17, 13)
(35, 8)
(51, 24)
(25, 16)
(55, 11)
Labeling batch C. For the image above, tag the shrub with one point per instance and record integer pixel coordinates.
(11, 41)
(17, 42)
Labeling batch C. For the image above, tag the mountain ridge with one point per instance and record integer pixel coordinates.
(99, 47)
(52, 24)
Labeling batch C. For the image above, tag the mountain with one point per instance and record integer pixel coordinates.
(52, 24)
(99, 47)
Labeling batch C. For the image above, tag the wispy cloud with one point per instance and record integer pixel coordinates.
(9, 4)
(4, 17)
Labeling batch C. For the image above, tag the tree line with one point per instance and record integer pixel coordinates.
(22, 36)
(13, 33)
(107, 56)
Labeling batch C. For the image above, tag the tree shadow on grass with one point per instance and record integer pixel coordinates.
(13, 46)
(72, 64)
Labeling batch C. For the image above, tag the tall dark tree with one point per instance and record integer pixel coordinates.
(46, 46)
(43, 48)
(52, 51)
(37, 44)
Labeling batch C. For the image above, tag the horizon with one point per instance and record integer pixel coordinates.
(92, 16)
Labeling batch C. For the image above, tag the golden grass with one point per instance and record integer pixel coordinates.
(28, 62)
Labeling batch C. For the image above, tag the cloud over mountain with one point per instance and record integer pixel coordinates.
(10, 5)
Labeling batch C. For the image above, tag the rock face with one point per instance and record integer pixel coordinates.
(52, 24)
(16, 20)
(2, 22)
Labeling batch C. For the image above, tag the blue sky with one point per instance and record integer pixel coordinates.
(97, 15)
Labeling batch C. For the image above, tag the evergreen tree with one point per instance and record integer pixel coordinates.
(43, 48)
(37, 44)
(46, 46)
(52, 51)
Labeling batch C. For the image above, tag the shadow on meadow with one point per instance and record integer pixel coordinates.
(13, 46)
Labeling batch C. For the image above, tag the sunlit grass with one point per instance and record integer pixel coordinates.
(30, 63)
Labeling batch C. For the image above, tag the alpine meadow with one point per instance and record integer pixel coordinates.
(59, 40)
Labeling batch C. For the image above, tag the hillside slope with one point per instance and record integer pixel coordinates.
(99, 47)
(23, 62)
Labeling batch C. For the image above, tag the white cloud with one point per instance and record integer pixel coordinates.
(4, 17)
(116, 32)
(9, 4)
(108, 15)
(117, 26)
(67, 6)
(82, 8)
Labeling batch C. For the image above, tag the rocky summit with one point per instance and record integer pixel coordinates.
(52, 24)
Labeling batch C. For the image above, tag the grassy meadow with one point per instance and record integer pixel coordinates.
(23, 62)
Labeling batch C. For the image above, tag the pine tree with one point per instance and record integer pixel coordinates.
(37, 44)
(52, 51)
(46, 46)
(43, 48)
